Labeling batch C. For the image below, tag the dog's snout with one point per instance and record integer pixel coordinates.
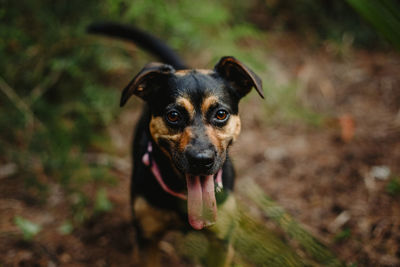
(204, 158)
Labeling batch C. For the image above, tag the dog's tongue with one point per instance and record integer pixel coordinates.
(202, 206)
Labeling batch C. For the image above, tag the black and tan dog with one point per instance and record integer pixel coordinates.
(182, 171)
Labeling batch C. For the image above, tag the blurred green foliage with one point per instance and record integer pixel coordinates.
(313, 248)
(284, 105)
(284, 242)
(66, 228)
(55, 101)
(393, 186)
(29, 229)
(343, 235)
(319, 20)
(383, 15)
(102, 204)
(218, 27)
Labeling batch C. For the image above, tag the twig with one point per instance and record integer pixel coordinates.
(18, 102)
(41, 88)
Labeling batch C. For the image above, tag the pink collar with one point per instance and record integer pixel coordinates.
(157, 174)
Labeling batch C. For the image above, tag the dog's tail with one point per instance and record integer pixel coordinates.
(144, 40)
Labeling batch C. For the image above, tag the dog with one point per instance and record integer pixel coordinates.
(182, 172)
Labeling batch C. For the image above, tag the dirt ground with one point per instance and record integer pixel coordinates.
(334, 178)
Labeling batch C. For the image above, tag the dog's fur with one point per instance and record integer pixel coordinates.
(188, 124)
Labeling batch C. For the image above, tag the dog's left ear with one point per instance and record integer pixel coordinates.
(147, 81)
(239, 76)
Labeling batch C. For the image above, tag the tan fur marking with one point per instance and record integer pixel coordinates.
(210, 100)
(185, 139)
(221, 137)
(211, 133)
(187, 71)
(158, 129)
(231, 129)
(204, 71)
(183, 72)
(153, 221)
(184, 102)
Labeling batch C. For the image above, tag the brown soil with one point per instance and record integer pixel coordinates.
(324, 176)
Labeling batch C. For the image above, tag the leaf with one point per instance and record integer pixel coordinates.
(102, 203)
(347, 126)
(66, 228)
(28, 228)
(393, 187)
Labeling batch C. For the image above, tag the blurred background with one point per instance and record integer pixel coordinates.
(318, 161)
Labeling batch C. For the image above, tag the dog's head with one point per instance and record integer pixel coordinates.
(194, 121)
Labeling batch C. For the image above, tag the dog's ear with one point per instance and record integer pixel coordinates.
(146, 81)
(239, 76)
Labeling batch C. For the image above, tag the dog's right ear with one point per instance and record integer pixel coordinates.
(146, 81)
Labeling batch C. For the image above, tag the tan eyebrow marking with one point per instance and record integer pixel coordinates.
(183, 101)
(207, 103)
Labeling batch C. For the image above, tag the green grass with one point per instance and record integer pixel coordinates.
(343, 235)
(280, 242)
(383, 15)
(283, 105)
(393, 186)
(314, 249)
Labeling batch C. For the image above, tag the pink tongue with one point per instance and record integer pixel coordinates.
(202, 206)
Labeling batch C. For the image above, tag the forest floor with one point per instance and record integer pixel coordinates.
(337, 174)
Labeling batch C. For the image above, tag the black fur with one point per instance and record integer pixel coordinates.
(144, 40)
(143, 182)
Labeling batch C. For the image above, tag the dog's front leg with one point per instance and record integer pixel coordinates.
(151, 225)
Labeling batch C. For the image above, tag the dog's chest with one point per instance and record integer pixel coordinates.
(154, 221)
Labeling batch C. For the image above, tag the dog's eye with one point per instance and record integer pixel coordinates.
(173, 116)
(221, 115)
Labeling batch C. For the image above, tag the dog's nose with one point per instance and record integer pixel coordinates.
(204, 158)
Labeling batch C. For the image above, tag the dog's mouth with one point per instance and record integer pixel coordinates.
(201, 202)
(202, 180)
